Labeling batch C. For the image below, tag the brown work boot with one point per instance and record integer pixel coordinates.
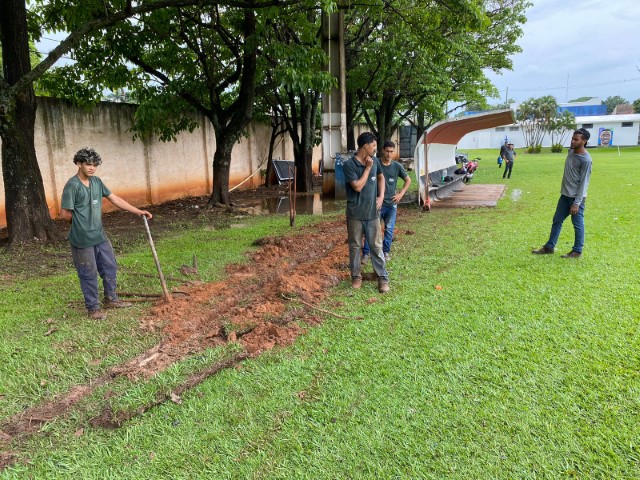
(356, 282)
(96, 315)
(572, 254)
(543, 251)
(383, 286)
(115, 303)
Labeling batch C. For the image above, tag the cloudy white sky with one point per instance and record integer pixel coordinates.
(571, 49)
(593, 46)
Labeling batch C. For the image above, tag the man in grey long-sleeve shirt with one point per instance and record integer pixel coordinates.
(508, 155)
(573, 195)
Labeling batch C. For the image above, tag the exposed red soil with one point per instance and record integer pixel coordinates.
(265, 303)
(251, 305)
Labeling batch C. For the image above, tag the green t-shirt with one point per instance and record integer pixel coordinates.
(361, 205)
(85, 204)
(391, 173)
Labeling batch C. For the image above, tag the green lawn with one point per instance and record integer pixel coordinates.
(520, 366)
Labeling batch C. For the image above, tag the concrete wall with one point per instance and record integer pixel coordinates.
(624, 129)
(146, 171)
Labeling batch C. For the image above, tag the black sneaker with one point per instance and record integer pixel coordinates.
(543, 251)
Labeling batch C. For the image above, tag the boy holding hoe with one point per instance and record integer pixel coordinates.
(91, 249)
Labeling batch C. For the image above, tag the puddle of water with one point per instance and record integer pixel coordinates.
(516, 194)
(305, 205)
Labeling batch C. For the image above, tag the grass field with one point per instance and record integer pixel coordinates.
(516, 366)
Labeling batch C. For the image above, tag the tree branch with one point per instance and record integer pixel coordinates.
(111, 19)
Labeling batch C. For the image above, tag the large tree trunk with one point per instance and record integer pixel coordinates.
(384, 119)
(241, 112)
(278, 128)
(303, 145)
(28, 216)
(221, 168)
(421, 125)
(304, 169)
(305, 175)
(272, 142)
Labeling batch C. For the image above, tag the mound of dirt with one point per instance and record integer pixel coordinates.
(261, 304)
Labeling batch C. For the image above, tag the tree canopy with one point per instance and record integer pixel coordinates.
(405, 61)
(535, 116)
(580, 99)
(560, 126)
(26, 207)
(293, 66)
(613, 102)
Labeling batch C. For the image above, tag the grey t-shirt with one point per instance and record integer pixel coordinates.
(508, 154)
(361, 205)
(85, 204)
(577, 172)
(391, 173)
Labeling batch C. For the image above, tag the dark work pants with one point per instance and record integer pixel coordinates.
(91, 262)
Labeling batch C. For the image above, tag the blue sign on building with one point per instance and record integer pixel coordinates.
(585, 110)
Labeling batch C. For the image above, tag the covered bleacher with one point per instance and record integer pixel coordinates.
(435, 152)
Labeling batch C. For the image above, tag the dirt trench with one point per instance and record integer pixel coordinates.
(265, 303)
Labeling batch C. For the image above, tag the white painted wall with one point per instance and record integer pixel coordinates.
(622, 136)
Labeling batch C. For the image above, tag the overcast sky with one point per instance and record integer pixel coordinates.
(593, 44)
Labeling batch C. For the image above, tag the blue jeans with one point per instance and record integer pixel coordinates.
(388, 216)
(90, 262)
(562, 212)
(371, 231)
(507, 169)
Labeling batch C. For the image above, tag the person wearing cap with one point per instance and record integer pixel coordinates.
(90, 248)
(508, 155)
(503, 147)
(573, 196)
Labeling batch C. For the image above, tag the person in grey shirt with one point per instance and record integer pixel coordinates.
(508, 155)
(391, 171)
(573, 195)
(364, 182)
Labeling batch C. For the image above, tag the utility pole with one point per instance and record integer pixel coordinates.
(334, 113)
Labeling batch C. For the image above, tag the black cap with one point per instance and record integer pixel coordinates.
(584, 132)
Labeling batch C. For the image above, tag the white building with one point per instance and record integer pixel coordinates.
(617, 130)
